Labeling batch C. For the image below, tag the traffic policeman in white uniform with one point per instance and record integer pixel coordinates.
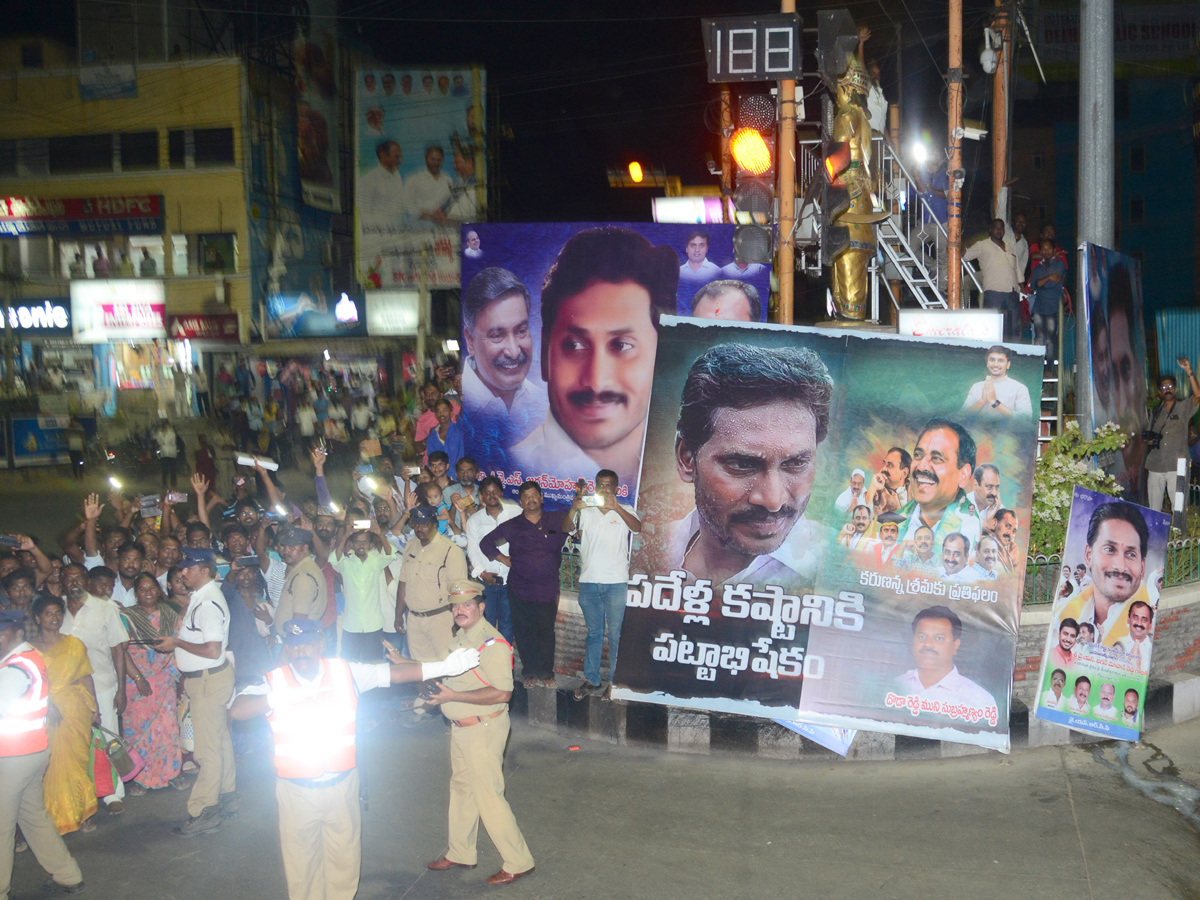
(311, 704)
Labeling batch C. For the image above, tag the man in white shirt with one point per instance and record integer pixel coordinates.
(936, 637)
(1105, 709)
(697, 271)
(306, 419)
(1015, 237)
(496, 388)
(769, 410)
(604, 526)
(168, 450)
(998, 394)
(361, 418)
(853, 495)
(129, 566)
(1137, 642)
(889, 486)
(208, 681)
(956, 551)
(380, 192)
(1053, 698)
(97, 623)
(1078, 701)
(492, 573)
(428, 190)
(998, 265)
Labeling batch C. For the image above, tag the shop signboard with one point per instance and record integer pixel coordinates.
(82, 216)
(393, 313)
(961, 324)
(220, 328)
(104, 310)
(40, 440)
(40, 318)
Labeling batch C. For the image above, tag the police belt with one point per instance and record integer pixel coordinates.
(475, 720)
(213, 671)
(320, 782)
(430, 612)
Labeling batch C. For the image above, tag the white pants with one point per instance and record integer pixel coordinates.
(1158, 483)
(107, 701)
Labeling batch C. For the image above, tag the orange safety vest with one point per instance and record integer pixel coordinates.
(23, 727)
(313, 724)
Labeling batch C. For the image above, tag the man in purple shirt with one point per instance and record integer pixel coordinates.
(535, 542)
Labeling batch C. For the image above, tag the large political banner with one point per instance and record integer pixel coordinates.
(560, 329)
(417, 135)
(1097, 659)
(1117, 356)
(317, 126)
(835, 528)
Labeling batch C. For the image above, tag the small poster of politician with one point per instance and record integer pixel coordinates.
(560, 332)
(419, 176)
(1097, 659)
(834, 530)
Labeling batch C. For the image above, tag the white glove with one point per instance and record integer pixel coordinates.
(461, 660)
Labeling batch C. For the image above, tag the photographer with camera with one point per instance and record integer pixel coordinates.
(1166, 436)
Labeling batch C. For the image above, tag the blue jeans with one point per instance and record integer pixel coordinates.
(600, 602)
(495, 610)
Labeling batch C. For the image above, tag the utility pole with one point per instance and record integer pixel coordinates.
(726, 153)
(1003, 27)
(1096, 190)
(954, 164)
(786, 154)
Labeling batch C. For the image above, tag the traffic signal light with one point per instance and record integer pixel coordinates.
(837, 36)
(753, 148)
(834, 199)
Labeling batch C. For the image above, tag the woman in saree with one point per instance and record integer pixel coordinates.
(70, 793)
(151, 727)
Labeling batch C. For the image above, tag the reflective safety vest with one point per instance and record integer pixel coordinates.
(313, 724)
(23, 726)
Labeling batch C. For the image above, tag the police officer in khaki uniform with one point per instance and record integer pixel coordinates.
(304, 591)
(476, 703)
(429, 566)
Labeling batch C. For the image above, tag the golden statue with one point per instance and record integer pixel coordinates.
(849, 278)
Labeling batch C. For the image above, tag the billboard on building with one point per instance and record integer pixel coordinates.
(556, 391)
(419, 173)
(834, 529)
(1117, 358)
(104, 310)
(1096, 663)
(82, 216)
(306, 315)
(317, 105)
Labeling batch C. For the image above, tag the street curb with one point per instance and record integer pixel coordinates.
(1169, 701)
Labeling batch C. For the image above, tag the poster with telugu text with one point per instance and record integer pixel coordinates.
(1096, 663)
(835, 526)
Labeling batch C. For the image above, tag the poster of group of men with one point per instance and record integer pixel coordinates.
(416, 180)
(1096, 663)
(561, 322)
(835, 523)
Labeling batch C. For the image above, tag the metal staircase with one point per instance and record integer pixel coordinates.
(908, 239)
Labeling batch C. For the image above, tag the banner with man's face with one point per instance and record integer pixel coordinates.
(560, 331)
(1117, 357)
(834, 530)
(1096, 663)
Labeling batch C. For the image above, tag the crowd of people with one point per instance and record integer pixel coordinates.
(155, 613)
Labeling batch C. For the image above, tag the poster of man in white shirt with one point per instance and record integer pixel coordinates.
(997, 394)
(407, 232)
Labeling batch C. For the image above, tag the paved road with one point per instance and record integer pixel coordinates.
(620, 822)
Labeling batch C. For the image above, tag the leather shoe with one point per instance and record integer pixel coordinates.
(503, 877)
(442, 864)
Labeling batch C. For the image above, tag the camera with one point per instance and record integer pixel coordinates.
(1153, 439)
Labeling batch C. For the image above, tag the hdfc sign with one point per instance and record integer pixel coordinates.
(118, 310)
(135, 214)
